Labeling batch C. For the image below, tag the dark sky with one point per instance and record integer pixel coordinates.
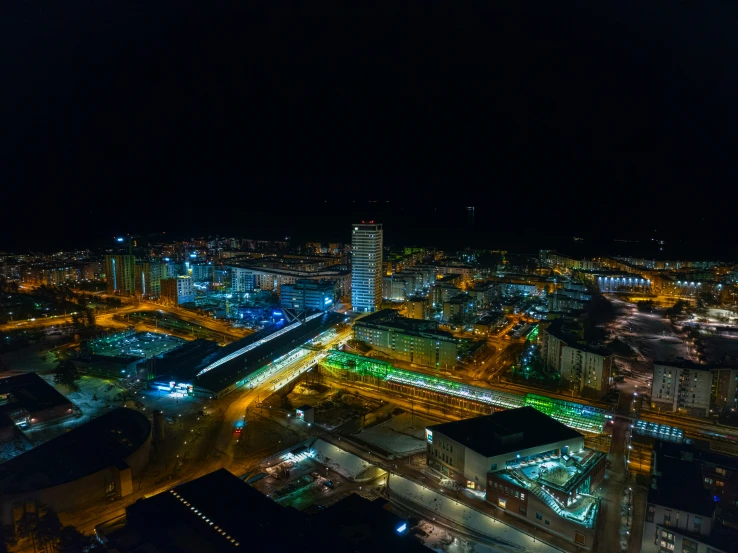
(605, 120)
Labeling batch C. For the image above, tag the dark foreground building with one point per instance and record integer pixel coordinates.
(219, 513)
(87, 463)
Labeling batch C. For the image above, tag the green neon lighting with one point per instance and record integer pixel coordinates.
(576, 415)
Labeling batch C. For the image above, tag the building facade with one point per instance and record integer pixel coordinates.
(530, 465)
(408, 340)
(725, 387)
(120, 274)
(417, 308)
(148, 279)
(309, 294)
(582, 365)
(176, 291)
(684, 513)
(366, 267)
(683, 387)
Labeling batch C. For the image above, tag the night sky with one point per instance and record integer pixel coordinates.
(599, 120)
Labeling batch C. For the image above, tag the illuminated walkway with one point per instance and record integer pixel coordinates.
(575, 415)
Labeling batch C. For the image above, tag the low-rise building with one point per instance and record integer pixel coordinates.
(318, 295)
(100, 458)
(410, 340)
(487, 324)
(460, 309)
(30, 400)
(530, 465)
(179, 290)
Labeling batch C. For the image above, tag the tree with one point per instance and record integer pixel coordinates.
(677, 308)
(90, 318)
(645, 306)
(27, 525)
(49, 529)
(618, 347)
(72, 540)
(66, 373)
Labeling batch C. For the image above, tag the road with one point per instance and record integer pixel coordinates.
(212, 443)
(226, 440)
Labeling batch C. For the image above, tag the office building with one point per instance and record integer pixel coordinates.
(366, 266)
(582, 365)
(410, 340)
(683, 512)
(176, 291)
(148, 278)
(120, 274)
(682, 386)
(242, 280)
(318, 295)
(530, 465)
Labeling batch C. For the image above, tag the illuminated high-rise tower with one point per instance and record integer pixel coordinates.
(366, 266)
(119, 274)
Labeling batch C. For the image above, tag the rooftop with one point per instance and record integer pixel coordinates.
(556, 329)
(219, 512)
(678, 483)
(392, 319)
(240, 366)
(506, 431)
(31, 392)
(187, 360)
(89, 448)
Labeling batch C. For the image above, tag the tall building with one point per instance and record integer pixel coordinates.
(148, 278)
(366, 266)
(119, 274)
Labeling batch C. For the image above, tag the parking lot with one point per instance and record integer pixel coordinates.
(142, 344)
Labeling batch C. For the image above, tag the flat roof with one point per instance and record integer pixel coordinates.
(89, 448)
(679, 485)
(506, 431)
(556, 329)
(219, 512)
(194, 515)
(241, 366)
(185, 361)
(32, 392)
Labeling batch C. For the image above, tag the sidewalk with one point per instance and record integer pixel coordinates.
(640, 498)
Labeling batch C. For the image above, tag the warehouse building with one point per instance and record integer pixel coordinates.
(98, 459)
